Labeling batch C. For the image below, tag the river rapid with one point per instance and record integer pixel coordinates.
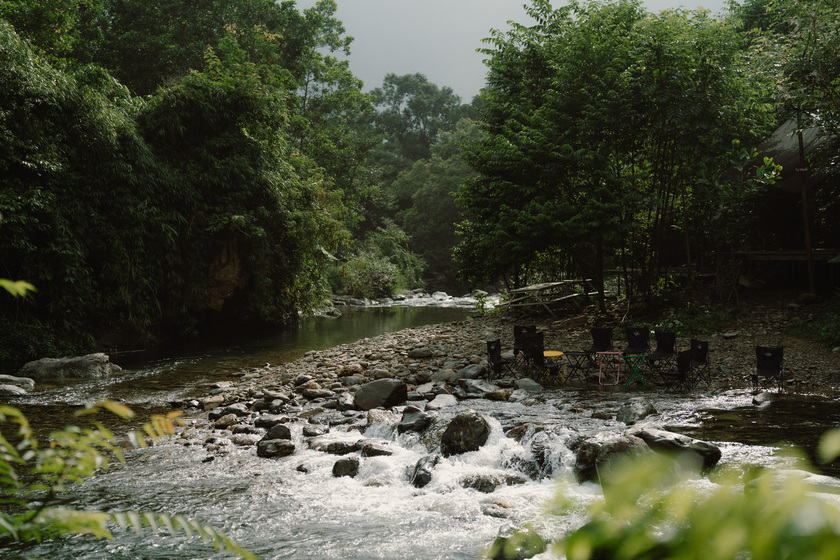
(294, 508)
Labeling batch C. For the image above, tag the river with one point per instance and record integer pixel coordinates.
(294, 508)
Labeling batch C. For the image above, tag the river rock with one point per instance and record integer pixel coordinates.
(278, 431)
(345, 401)
(275, 448)
(420, 353)
(487, 483)
(226, 421)
(348, 466)
(381, 392)
(466, 432)
(268, 421)
(376, 449)
(529, 385)
(596, 456)
(335, 447)
(313, 394)
(413, 420)
(312, 430)
(634, 410)
(706, 454)
(422, 474)
(212, 402)
(351, 369)
(22, 382)
(443, 400)
(472, 371)
(239, 409)
(81, 367)
(11, 391)
(474, 389)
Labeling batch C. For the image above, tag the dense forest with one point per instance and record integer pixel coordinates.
(168, 167)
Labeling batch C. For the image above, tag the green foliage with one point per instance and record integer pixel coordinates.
(654, 508)
(369, 275)
(379, 267)
(825, 327)
(120, 208)
(697, 320)
(430, 221)
(730, 198)
(33, 474)
(598, 119)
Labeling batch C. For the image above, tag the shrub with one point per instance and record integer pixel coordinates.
(653, 511)
(32, 476)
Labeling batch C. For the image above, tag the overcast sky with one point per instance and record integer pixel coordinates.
(438, 38)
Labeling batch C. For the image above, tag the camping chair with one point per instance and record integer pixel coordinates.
(540, 369)
(520, 333)
(679, 377)
(580, 361)
(768, 365)
(700, 369)
(663, 356)
(601, 339)
(494, 357)
(638, 340)
(638, 347)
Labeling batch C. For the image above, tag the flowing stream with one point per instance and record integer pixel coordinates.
(293, 508)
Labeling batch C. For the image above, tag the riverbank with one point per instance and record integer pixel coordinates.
(441, 353)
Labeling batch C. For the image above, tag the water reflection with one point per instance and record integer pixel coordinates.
(155, 380)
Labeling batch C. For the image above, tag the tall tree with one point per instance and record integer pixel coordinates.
(431, 219)
(410, 112)
(598, 120)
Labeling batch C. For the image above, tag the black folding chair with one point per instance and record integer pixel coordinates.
(663, 356)
(601, 339)
(700, 368)
(540, 369)
(498, 365)
(768, 366)
(679, 377)
(520, 333)
(638, 341)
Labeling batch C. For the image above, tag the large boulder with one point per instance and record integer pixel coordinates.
(466, 432)
(634, 410)
(22, 382)
(413, 420)
(706, 455)
(381, 392)
(346, 467)
(278, 431)
(82, 367)
(597, 456)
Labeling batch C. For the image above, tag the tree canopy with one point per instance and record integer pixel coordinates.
(170, 165)
(598, 121)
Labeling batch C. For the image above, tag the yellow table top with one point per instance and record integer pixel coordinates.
(552, 353)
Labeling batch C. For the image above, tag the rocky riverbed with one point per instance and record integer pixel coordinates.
(409, 421)
(403, 380)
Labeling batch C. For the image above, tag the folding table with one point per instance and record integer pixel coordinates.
(577, 361)
(609, 356)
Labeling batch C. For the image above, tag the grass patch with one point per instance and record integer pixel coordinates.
(824, 327)
(697, 320)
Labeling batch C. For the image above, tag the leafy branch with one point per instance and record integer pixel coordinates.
(32, 476)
